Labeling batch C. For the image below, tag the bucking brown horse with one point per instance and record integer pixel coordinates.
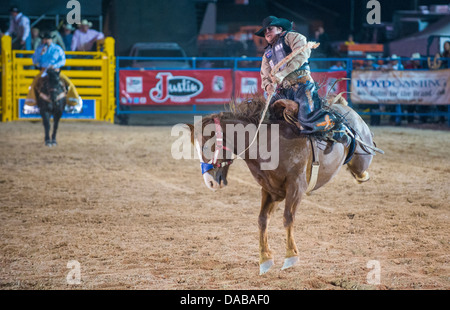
(218, 138)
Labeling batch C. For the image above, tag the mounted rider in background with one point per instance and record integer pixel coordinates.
(294, 79)
(49, 55)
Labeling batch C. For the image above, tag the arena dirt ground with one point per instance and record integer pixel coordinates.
(112, 198)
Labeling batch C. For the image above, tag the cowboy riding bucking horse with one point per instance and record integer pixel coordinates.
(293, 79)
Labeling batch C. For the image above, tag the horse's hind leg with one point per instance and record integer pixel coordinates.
(293, 198)
(358, 166)
(265, 254)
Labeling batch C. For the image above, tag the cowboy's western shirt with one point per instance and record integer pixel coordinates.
(20, 26)
(295, 41)
(84, 41)
(45, 56)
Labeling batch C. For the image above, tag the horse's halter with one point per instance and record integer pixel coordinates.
(219, 147)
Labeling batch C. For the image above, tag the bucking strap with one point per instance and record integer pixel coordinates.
(315, 166)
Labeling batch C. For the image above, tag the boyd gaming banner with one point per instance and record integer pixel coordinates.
(417, 87)
(152, 87)
(249, 82)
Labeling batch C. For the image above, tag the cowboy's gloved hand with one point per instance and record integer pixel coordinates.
(276, 79)
(270, 89)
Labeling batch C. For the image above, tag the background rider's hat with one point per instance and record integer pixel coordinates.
(14, 8)
(274, 21)
(86, 22)
(68, 26)
(46, 35)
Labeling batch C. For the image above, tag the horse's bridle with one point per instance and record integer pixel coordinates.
(219, 147)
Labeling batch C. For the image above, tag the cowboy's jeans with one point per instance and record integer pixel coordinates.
(314, 118)
(310, 114)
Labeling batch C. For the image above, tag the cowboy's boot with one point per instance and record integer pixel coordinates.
(336, 131)
(340, 135)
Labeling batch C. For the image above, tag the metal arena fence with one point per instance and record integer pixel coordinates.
(143, 72)
(124, 86)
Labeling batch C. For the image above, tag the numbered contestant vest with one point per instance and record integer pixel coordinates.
(278, 51)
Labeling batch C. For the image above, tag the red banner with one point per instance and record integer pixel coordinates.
(249, 82)
(152, 87)
(246, 83)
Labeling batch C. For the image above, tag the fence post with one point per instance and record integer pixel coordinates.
(349, 82)
(108, 107)
(6, 62)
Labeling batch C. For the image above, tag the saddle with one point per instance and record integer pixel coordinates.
(287, 109)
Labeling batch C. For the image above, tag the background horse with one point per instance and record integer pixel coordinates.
(51, 100)
(290, 178)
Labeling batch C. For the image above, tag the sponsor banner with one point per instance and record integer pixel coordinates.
(87, 112)
(249, 82)
(326, 81)
(392, 87)
(154, 87)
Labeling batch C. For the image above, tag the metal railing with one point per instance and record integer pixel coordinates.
(92, 73)
(253, 64)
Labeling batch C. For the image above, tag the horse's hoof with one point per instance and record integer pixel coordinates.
(54, 143)
(48, 143)
(264, 267)
(364, 178)
(289, 262)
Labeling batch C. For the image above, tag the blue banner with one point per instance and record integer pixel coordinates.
(87, 112)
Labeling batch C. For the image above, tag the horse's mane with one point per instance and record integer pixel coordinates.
(53, 76)
(248, 110)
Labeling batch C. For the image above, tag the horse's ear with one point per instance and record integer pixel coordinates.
(191, 129)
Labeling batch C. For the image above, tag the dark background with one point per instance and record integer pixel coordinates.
(180, 20)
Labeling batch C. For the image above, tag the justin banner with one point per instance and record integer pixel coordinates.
(392, 87)
(249, 82)
(154, 87)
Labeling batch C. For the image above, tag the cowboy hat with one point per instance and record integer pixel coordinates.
(274, 21)
(68, 27)
(14, 8)
(415, 56)
(46, 35)
(86, 22)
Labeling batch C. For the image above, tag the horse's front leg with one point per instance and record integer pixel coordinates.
(293, 199)
(56, 119)
(265, 254)
(46, 122)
